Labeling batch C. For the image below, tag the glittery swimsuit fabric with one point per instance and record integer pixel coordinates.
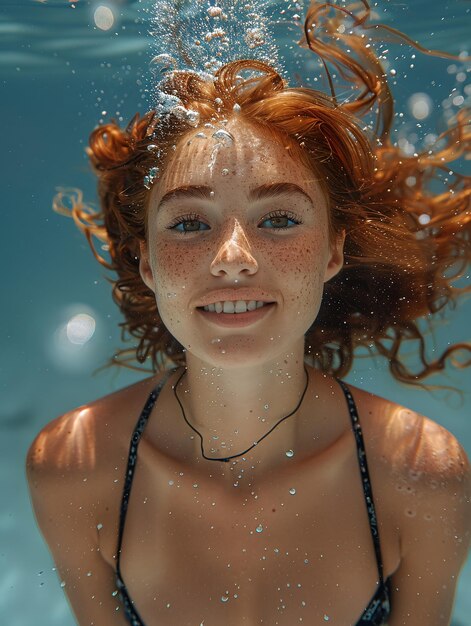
(378, 609)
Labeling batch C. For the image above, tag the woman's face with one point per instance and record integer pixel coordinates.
(240, 233)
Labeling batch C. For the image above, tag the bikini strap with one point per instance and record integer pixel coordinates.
(367, 488)
(132, 457)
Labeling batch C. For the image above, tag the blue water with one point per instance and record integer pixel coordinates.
(59, 72)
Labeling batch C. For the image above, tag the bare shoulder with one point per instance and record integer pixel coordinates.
(424, 467)
(71, 445)
(68, 468)
(425, 483)
(409, 440)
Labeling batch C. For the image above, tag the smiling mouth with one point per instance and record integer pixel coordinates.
(260, 305)
(237, 319)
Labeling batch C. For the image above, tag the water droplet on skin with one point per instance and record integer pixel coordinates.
(224, 136)
(63, 583)
(170, 482)
(326, 618)
(259, 528)
(224, 598)
(216, 340)
(99, 526)
(171, 295)
(266, 406)
(201, 135)
(289, 453)
(292, 491)
(225, 172)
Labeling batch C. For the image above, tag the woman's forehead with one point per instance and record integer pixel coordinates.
(242, 152)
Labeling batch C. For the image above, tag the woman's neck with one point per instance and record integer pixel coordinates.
(233, 407)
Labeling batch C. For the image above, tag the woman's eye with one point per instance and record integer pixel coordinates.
(280, 218)
(191, 220)
(191, 223)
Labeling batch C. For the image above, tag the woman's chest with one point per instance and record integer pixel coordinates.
(294, 548)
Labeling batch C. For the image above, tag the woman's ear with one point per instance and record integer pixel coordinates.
(335, 263)
(145, 269)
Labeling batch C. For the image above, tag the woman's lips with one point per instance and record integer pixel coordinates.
(235, 320)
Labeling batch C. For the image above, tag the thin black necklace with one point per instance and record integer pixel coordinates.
(227, 459)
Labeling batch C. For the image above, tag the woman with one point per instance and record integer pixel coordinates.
(260, 234)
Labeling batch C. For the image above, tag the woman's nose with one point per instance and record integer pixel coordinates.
(234, 254)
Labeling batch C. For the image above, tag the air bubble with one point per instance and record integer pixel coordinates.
(164, 59)
(224, 136)
(420, 105)
(214, 11)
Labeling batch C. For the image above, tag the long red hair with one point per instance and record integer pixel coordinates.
(399, 266)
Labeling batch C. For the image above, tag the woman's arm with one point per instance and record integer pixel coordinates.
(61, 503)
(436, 539)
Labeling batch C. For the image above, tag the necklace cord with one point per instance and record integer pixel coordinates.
(227, 459)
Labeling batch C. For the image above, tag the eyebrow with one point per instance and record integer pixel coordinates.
(202, 192)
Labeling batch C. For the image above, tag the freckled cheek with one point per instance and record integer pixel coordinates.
(300, 266)
(176, 268)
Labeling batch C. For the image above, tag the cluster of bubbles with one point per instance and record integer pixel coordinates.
(203, 38)
(195, 37)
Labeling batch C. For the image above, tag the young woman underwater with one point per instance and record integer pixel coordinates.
(261, 234)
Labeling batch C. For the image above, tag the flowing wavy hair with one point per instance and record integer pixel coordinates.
(405, 245)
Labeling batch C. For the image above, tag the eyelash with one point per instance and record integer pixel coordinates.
(194, 217)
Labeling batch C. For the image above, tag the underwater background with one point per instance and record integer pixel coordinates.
(65, 67)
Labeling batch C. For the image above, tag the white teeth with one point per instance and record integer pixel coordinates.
(240, 306)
